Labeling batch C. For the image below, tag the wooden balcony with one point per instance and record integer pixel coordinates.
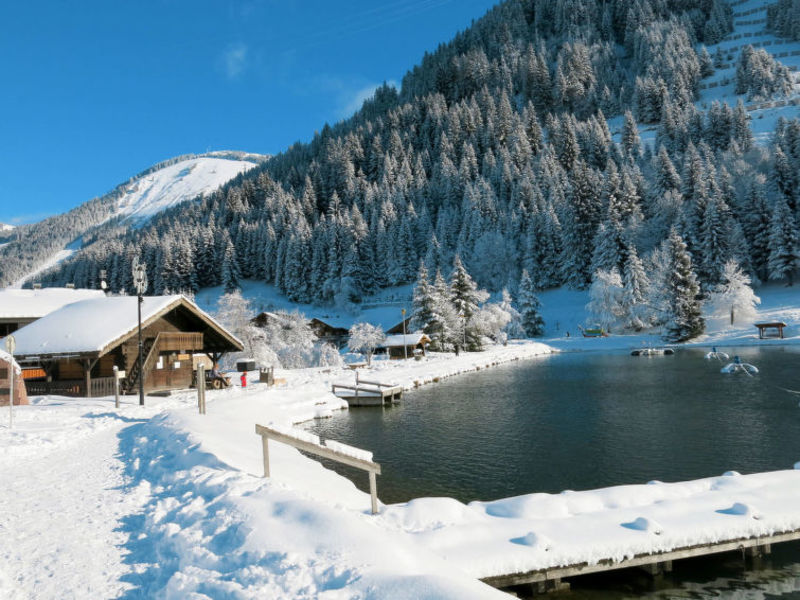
(179, 342)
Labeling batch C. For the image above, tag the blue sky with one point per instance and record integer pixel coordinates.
(96, 91)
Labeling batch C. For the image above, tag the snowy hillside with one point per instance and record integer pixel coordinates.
(150, 194)
(749, 28)
(6, 228)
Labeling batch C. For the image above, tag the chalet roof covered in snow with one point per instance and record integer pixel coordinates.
(386, 317)
(34, 304)
(95, 326)
(409, 339)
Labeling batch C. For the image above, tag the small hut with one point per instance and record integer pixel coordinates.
(8, 369)
(404, 346)
(79, 345)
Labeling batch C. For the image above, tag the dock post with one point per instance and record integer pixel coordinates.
(373, 491)
(201, 389)
(265, 450)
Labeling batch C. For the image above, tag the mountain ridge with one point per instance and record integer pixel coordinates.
(43, 245)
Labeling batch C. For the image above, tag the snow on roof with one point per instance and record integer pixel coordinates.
(34, 304)
(409, 339)
(87, 326)
(385, 316)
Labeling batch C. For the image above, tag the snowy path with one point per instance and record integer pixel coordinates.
(60, 531)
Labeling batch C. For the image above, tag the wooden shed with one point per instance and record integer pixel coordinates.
(79, 345)
(404, 346)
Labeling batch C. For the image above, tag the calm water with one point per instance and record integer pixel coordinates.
(584, 420)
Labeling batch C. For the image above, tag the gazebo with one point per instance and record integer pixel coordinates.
(765, 328)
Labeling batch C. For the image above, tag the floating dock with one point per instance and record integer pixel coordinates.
(368, 393)
(652, 352)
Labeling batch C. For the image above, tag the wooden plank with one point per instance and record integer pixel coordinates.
(502, 581)
(319, 450)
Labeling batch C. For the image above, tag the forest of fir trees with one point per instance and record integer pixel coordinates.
(497, 151)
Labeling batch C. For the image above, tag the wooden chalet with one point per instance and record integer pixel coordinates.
(331, 333)
(78, 346)
(22, 307)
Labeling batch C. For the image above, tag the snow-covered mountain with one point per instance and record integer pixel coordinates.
(149, 194)
(130, 204)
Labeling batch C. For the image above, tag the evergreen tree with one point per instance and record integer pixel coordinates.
(684, 320)
(230, 270)
(784, 251)
(530, 307)
(466, 299)
(423, 302)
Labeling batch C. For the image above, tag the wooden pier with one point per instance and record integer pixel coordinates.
(551, 579)
(368, 393)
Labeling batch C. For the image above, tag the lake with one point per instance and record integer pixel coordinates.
(583, 421)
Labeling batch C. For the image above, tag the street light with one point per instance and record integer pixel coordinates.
(405, 348)
(140, 283)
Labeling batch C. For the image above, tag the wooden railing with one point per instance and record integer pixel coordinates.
(69, 387)
(102, 386)
(370, 467)
(180, 342)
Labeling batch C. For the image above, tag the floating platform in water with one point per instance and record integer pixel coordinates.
(737, 366)
(368, 393)
(716, 354)
(652, 352)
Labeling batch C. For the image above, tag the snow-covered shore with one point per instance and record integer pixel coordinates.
(174, 502)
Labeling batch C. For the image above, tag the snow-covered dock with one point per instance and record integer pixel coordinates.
(368, 393)
(539, 539)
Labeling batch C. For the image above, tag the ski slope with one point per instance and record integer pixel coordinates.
(185, 180)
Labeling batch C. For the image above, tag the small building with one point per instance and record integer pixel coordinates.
(8, 369)
(335, 329)
(330, 332)
(772, 329)
(22, 307)
(78, 345)
(404, 346)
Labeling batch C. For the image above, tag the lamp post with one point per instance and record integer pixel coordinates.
(405, 348)
(140, 282)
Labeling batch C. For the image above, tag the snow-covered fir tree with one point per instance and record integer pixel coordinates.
(529, 307)
(683, 308)
(784, 246)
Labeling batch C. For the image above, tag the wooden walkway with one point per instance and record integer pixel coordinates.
(550, 579)
(368, 393)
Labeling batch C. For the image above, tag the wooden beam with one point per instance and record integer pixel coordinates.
(319, 450)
